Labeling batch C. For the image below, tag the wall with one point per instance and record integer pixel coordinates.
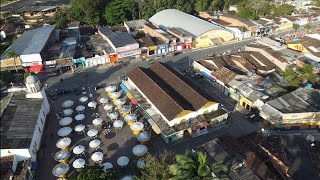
(94, 61)
(236, 22)
(154, 33)
(204, 40)
(10, 62)
(37, 135)
(31, 59)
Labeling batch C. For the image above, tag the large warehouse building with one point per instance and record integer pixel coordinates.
(171, 104)
(203, 33)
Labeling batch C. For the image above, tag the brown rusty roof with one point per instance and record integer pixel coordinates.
(224, 75)
(244, 62)
(194, 98)
(266, 61)
(207, 65)
(166, 90)
(168, 107)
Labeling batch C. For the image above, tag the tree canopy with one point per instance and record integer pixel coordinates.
(62, 18)
(120, 10)
(94, 172)
(190, 165)
(301, 76)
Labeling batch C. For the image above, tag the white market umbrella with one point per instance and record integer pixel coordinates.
(118, 124)
(103, 100)
(79, 117)
(78, 163)
(95, 143)
(60, 169)
(83, 99)
(113, 115)
(139, 150)
(144, 136)
(63, 142)
(110, 89)
(92, 132)
(78, 149)
(127, 177)
(79, 128)
(65, 121)
(97, 121)
(67, 103)
(119, 102)
(137, 126)
(141, 163)
(124, 110)
(80, 108)
(130, 117)
(92, 104)
(67, 112)
(97, 156)
(106, 166)
(108, 107)
(115, 95)
(62, 155)
(123, 161)
(65, 131)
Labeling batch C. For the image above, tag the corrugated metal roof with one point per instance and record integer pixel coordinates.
(118, 39)
(172, 18)
(31, 42)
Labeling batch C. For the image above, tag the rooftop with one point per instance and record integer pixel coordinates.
(299, 101)
(134, 24)
(225, 75)
(100, 44)
(120, 39)
(244, 21)
(170, 18)
(179, 32)
(18, 120)
(167, 91)
(31, 42)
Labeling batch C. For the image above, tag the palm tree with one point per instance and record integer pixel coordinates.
(296, 27)
(203, 168)
(12, 54)
(220, 170)
(307, 74)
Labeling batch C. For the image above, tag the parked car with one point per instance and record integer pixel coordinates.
(177, 53)
(252, 116)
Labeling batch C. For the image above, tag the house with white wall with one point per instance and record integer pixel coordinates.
(23, 118)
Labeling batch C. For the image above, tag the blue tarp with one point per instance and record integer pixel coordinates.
(79, 60)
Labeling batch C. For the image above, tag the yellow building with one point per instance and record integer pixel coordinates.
(299, 109)
(203, 33)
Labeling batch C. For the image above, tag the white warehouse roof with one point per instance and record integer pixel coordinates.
(171, 18)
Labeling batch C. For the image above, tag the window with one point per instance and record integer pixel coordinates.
(33, 152)
(41, 121)
(39, 129)
(202, 128)
(43, 113)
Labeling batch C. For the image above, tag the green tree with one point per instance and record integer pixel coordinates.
(308, 26)
(94, 172)
(120, 10)
(62, 17)
(157, 167)
(190, 166)
(259, 6)
(147, 9)
(284, 9)
(202, 5)
(216, 5)
(307, 74)
(185, 5)
(88, 11)
(220, 170)
(318, 3)
(291, 76)
(6, 77)
(12, 54)
(296, 27)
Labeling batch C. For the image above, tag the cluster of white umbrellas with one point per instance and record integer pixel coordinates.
(63, 143)
(78, 149)
(92, 132)
(106, 166)
(62, 155)
(97, 156)
(104, 100)
(97, 121)
(136, 127)
(123, 161)
(83, 99)
(80, 108)
(78, 163)
(95, 143)
(144, 137)
(79, 128)
(110, 89)
(92, 104)
(79, 117)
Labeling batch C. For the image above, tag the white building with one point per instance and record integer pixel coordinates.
(23, 117)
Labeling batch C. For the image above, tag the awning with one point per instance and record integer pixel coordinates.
(154, 126)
